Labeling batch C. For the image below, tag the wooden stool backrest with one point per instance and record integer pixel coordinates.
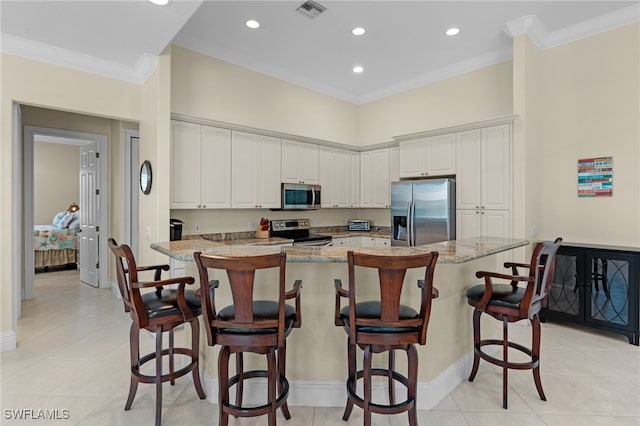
(391, 273)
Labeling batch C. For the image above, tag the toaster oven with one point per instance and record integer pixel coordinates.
(359, 225)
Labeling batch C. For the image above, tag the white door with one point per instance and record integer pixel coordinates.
(89, 229)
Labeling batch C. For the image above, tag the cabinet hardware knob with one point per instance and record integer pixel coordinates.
(477, 212)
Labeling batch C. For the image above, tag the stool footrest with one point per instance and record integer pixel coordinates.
(400, 407)
(535, 362)
(239, 411)
(145, 378)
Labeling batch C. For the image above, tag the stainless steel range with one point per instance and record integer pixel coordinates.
(298, 231)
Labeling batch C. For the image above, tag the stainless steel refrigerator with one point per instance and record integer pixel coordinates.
(423, 211)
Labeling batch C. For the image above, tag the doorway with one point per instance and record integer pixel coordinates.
(32, 133)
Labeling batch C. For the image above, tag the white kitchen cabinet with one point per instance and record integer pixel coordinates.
(334, 177)
(200, 166)
(299, 162)
(483, 190)
(354, 179)
(342, 242)
(428, 157)
(484, 169)
(382, 242)
(394, 164)
(255, 171)
(374, 178)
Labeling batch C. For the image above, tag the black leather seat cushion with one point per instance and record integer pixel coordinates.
(372, 310)
(504, 295)
(167, 303)
(262, 310)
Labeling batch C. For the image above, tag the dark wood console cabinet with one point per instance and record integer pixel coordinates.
(598, 286)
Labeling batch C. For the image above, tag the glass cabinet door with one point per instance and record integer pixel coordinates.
(609, 288)
(567, 288)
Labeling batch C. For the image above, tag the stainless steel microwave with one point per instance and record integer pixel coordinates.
(297, 196)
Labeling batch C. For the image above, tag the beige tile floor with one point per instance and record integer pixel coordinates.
(73, 355)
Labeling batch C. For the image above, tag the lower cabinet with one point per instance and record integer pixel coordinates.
(597, 286)
(362, 242)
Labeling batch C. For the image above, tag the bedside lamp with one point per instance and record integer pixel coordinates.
(73, 208)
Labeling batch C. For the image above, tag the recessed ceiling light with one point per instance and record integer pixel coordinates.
(452, 31)
(358, 31)
(160, 2)
(253, 24)
(358, 69)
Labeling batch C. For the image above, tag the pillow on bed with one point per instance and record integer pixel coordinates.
(75, 221)
(66, 220)
(57, 218)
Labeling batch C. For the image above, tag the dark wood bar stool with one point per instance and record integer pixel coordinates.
(249, 325)
(158, 311)
(511, 303)
(384, 325)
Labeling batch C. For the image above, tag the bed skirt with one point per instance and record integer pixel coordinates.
(55, 257)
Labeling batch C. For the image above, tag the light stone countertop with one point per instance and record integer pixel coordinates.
(455, 251)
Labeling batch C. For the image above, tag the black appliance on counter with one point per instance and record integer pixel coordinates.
(298, 231)
(175, 229)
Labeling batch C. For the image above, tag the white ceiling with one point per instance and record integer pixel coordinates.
(404, 46)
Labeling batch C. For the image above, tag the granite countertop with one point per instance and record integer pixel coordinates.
(455, 251)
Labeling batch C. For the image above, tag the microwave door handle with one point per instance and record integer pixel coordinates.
(313, 197)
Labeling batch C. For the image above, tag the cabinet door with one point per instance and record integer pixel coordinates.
(368, 241)
(496, 223)
(440, 155)
(379, 175)
(411, 156)
(468, 176)
(244, 171)
(185, 165)
(382, 242)
(309, 163)
(365, 179)
(394, 164)
(566, 293)
(496, 168)
(326, 177)
(269, 171)
(354, 179)
(341, 187)
(468, 224)
(290, 161)
(216, 168)
(299, 162)
(341, 242)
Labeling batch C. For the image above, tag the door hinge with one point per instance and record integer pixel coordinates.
(97, 229)
(98, 265)
(97, 155)
(97, 192)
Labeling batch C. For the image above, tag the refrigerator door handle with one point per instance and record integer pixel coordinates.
(412, 235)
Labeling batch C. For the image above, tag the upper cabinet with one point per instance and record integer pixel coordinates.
(484, 169)
(394, 164)
(255, 171)
(299, 162)
(354, 179)
(427, 157)
(200, 166)
(334, 174)
(374, 178)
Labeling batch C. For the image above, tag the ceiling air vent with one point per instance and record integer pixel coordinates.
(311, 9)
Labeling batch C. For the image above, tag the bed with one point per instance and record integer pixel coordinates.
(56, 244)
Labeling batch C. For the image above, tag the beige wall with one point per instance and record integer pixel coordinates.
(470, 97)
(55, 180)
(29, 82)
(208, 88)
(589, 107)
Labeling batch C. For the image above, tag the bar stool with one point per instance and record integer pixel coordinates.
(249, 325)
(510, 303)
(159, 311)
(383, 326)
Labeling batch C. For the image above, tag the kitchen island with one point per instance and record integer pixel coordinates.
(316, 353)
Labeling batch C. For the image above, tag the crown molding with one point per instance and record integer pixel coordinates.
(544, 39)
(42, 52)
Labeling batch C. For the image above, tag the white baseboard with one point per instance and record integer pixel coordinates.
(333, 393)
(8, 341)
